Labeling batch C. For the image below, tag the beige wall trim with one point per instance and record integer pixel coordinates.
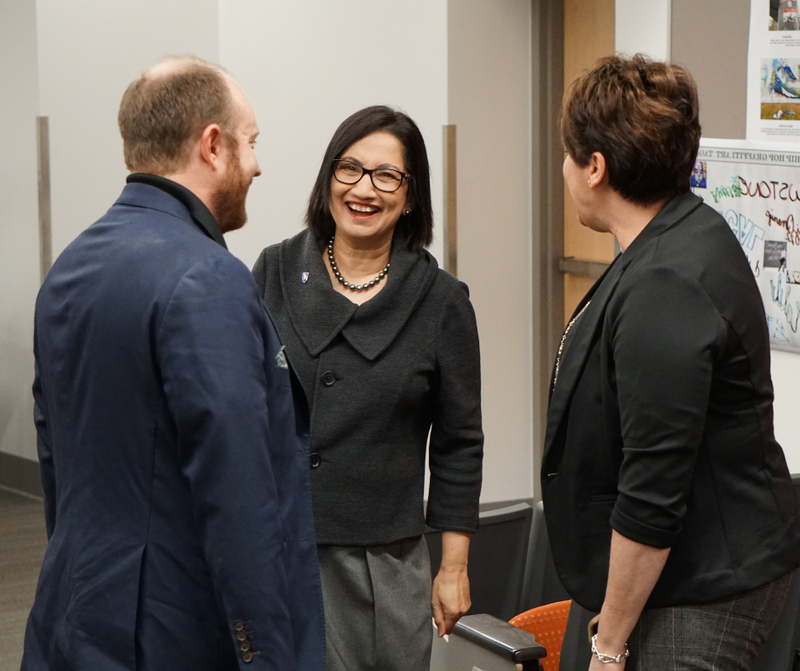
(20, 474)
(572, 266)
(45, 209)
(547, 191)
(722, 90)
(450, 227)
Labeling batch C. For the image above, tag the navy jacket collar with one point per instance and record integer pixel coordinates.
(201, 215)
(319, 313)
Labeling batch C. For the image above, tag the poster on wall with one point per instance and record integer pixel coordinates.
(755, 186)
(773, 71)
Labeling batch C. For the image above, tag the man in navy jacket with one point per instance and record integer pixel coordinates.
(173, 456)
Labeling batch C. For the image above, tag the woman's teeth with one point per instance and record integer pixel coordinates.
(366, 209)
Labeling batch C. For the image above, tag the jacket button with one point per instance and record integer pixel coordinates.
(315, 460)
(238, 625)
(247, 656)
(244, 646)
(241, 635)
(328, 378)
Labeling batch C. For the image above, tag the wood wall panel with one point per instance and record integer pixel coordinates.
(588, 35)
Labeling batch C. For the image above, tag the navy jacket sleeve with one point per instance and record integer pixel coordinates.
(45, 452)
(666, 334)
(211, 356)
(456, 442)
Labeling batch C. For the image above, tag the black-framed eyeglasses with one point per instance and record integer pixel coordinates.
(387, 180)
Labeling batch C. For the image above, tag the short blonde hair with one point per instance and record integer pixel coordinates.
(166, 109)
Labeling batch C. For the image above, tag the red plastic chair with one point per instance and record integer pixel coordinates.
(547, 623)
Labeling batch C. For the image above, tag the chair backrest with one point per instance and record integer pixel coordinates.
(541, 584)
(547, 623)
(497, 558)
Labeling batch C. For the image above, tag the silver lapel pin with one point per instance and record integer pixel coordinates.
(305, 278)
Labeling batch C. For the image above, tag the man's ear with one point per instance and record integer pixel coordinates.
(211, 145)
(598, 171)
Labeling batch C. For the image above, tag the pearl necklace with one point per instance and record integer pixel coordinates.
(354, 287)
(564, 339)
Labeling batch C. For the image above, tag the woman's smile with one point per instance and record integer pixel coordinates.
(362, 210)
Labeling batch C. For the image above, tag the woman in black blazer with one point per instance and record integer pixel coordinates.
(386, 346)
(668, 501)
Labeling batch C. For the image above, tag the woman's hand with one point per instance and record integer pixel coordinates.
(597, 665)
(450, 599)
(450, 595)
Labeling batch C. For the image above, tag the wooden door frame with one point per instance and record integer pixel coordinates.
(547, 206)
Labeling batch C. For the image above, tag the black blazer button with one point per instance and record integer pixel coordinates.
(328, 378)
(315, 460)
(238, 625)
(247, 657)
(241, 635)
(244, 646)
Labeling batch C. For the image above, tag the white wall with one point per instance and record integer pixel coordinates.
(308, 65)
(490, 104)
(785, 376)
(88, 53)
(19, 223)
(643, 26)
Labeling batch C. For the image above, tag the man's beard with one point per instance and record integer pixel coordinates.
(229, 199)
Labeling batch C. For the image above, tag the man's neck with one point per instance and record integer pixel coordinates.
(199, 187)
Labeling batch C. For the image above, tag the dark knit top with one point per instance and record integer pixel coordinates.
(379, 378)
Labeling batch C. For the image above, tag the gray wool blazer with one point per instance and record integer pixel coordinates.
(379, 377)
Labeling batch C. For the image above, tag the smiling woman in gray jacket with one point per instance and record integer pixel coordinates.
(386, 346)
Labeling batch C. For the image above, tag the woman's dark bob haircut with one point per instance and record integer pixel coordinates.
(417, 226)
(642, 116)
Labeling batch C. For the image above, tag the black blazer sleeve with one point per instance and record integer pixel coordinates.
(665, 334)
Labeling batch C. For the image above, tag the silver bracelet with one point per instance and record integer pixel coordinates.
(609, 659)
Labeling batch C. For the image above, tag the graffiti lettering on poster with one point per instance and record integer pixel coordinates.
(772, 190)
(734, 190)
(781, 294)
(777, 331)
(747, 233)
(792, 231)
(746, 230)
(756, 189)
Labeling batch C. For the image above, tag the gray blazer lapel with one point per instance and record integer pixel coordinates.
(317, 312)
